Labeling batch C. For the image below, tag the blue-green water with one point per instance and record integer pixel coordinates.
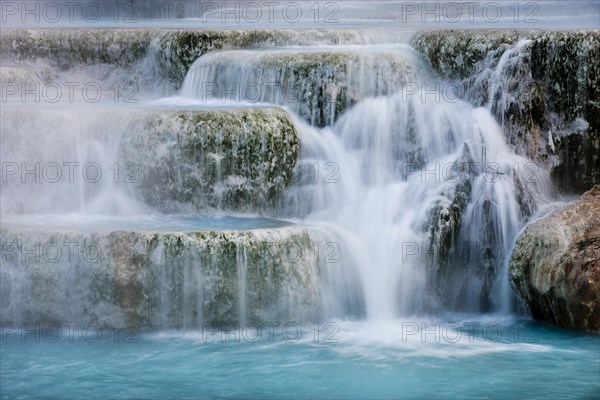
(153, 223)
(475, 358)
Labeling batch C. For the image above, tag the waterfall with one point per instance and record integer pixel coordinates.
(418, 189)
(339, 199)
(396, 157)
(407, 199)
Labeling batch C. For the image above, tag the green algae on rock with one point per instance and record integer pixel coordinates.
(542, 86)
(176, 50)
(161, 279)
(236, 159)
(146, 53)
(319, 85)
(66, 48)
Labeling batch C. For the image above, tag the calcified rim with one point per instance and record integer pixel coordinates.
(142, 223)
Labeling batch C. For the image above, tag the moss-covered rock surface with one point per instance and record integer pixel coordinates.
(231, 159)
(319, 85)
(542, 86)
(159, 279)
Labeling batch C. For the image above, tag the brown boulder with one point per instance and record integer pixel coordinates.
(555, 266)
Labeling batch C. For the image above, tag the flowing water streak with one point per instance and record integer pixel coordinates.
(73, 152)
(505, 74)
(242, 272)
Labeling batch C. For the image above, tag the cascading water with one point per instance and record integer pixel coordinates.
(412, 190)
(58, 151)
(414, 178)
(299, 212)
(318, 83)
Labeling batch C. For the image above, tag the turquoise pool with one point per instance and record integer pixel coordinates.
(490, 359)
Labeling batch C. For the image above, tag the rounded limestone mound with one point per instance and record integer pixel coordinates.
(555, 266)
(318, 83)
(111, 160)
(176, 50)
(186, 272)
(235, 158)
